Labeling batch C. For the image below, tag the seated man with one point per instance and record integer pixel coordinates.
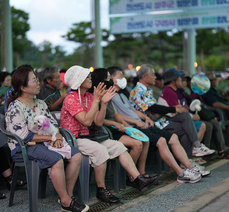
(50, 91)
(212, 97)
(158, 138)
(80, 109)
(213, 128)
(169, 97)
(157, 88)
(142, 99)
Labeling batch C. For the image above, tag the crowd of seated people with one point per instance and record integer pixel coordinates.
(158, 106)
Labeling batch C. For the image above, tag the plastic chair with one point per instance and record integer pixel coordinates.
(84, 176)
(36, 177)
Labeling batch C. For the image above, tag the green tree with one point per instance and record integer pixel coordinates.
(83, 34)
(20, 27)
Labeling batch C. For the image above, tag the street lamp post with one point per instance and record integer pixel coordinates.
(98, 53)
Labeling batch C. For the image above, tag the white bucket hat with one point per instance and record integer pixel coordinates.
(75, 76)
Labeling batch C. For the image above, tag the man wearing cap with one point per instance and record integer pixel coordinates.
(142, 99)
(80, 109)
(173, 81)
(50, 91)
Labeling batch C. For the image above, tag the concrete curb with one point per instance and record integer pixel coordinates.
(205, 198)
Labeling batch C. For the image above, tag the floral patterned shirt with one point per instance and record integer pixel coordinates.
(20, 121)
(141, 97)
(72, 105)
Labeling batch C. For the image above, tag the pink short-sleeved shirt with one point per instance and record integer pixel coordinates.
(71, 107)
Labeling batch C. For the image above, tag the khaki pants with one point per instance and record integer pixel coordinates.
(100, 152)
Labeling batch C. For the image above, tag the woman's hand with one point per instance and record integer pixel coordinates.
(149, 122)
(141, 124)
(110, 93)
(180, 109)
(99, 91)
(58, 143)
(59, 137)
(120, 127)
(195, 117)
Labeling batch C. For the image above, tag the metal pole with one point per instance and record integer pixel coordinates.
(191, 47)
(98, 53)
(7, 53)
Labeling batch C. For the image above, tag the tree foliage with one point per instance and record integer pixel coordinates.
(20, 27)
(163, 50)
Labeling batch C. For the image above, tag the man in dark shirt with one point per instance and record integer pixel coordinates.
(212, 97)
(50, 91)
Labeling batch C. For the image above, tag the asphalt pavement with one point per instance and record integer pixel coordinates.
(210, 194)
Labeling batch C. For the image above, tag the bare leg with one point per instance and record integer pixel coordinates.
(201, 131)
(179, 152)
(58, 180)
(167, 156)
(7, 173)
(72, 172)
(142, 159)
(128, 164)
(100, 172)
(134, 145)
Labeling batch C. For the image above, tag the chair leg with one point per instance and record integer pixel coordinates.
(33, 181)
(42, 183)
(123, 178)
(13, 184)
(115, 167)
(84, 179)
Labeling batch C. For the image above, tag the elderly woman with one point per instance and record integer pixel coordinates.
(80, 109)
(23, 108)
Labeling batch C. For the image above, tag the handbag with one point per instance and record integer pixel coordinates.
(95, 134)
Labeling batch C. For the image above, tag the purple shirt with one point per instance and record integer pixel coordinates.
(170, 96)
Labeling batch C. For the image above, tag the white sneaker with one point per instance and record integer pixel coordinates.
(200, 170)
(199, 160)
(189, 176)
(201, 151)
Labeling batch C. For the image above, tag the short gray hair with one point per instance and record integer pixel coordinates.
(144, 70)
(48, 73)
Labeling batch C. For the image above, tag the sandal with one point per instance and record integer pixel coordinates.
(2, 196)
(21, 183)
(223, 155)
(146, 175)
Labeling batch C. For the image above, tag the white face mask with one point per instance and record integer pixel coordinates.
(121, 83)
